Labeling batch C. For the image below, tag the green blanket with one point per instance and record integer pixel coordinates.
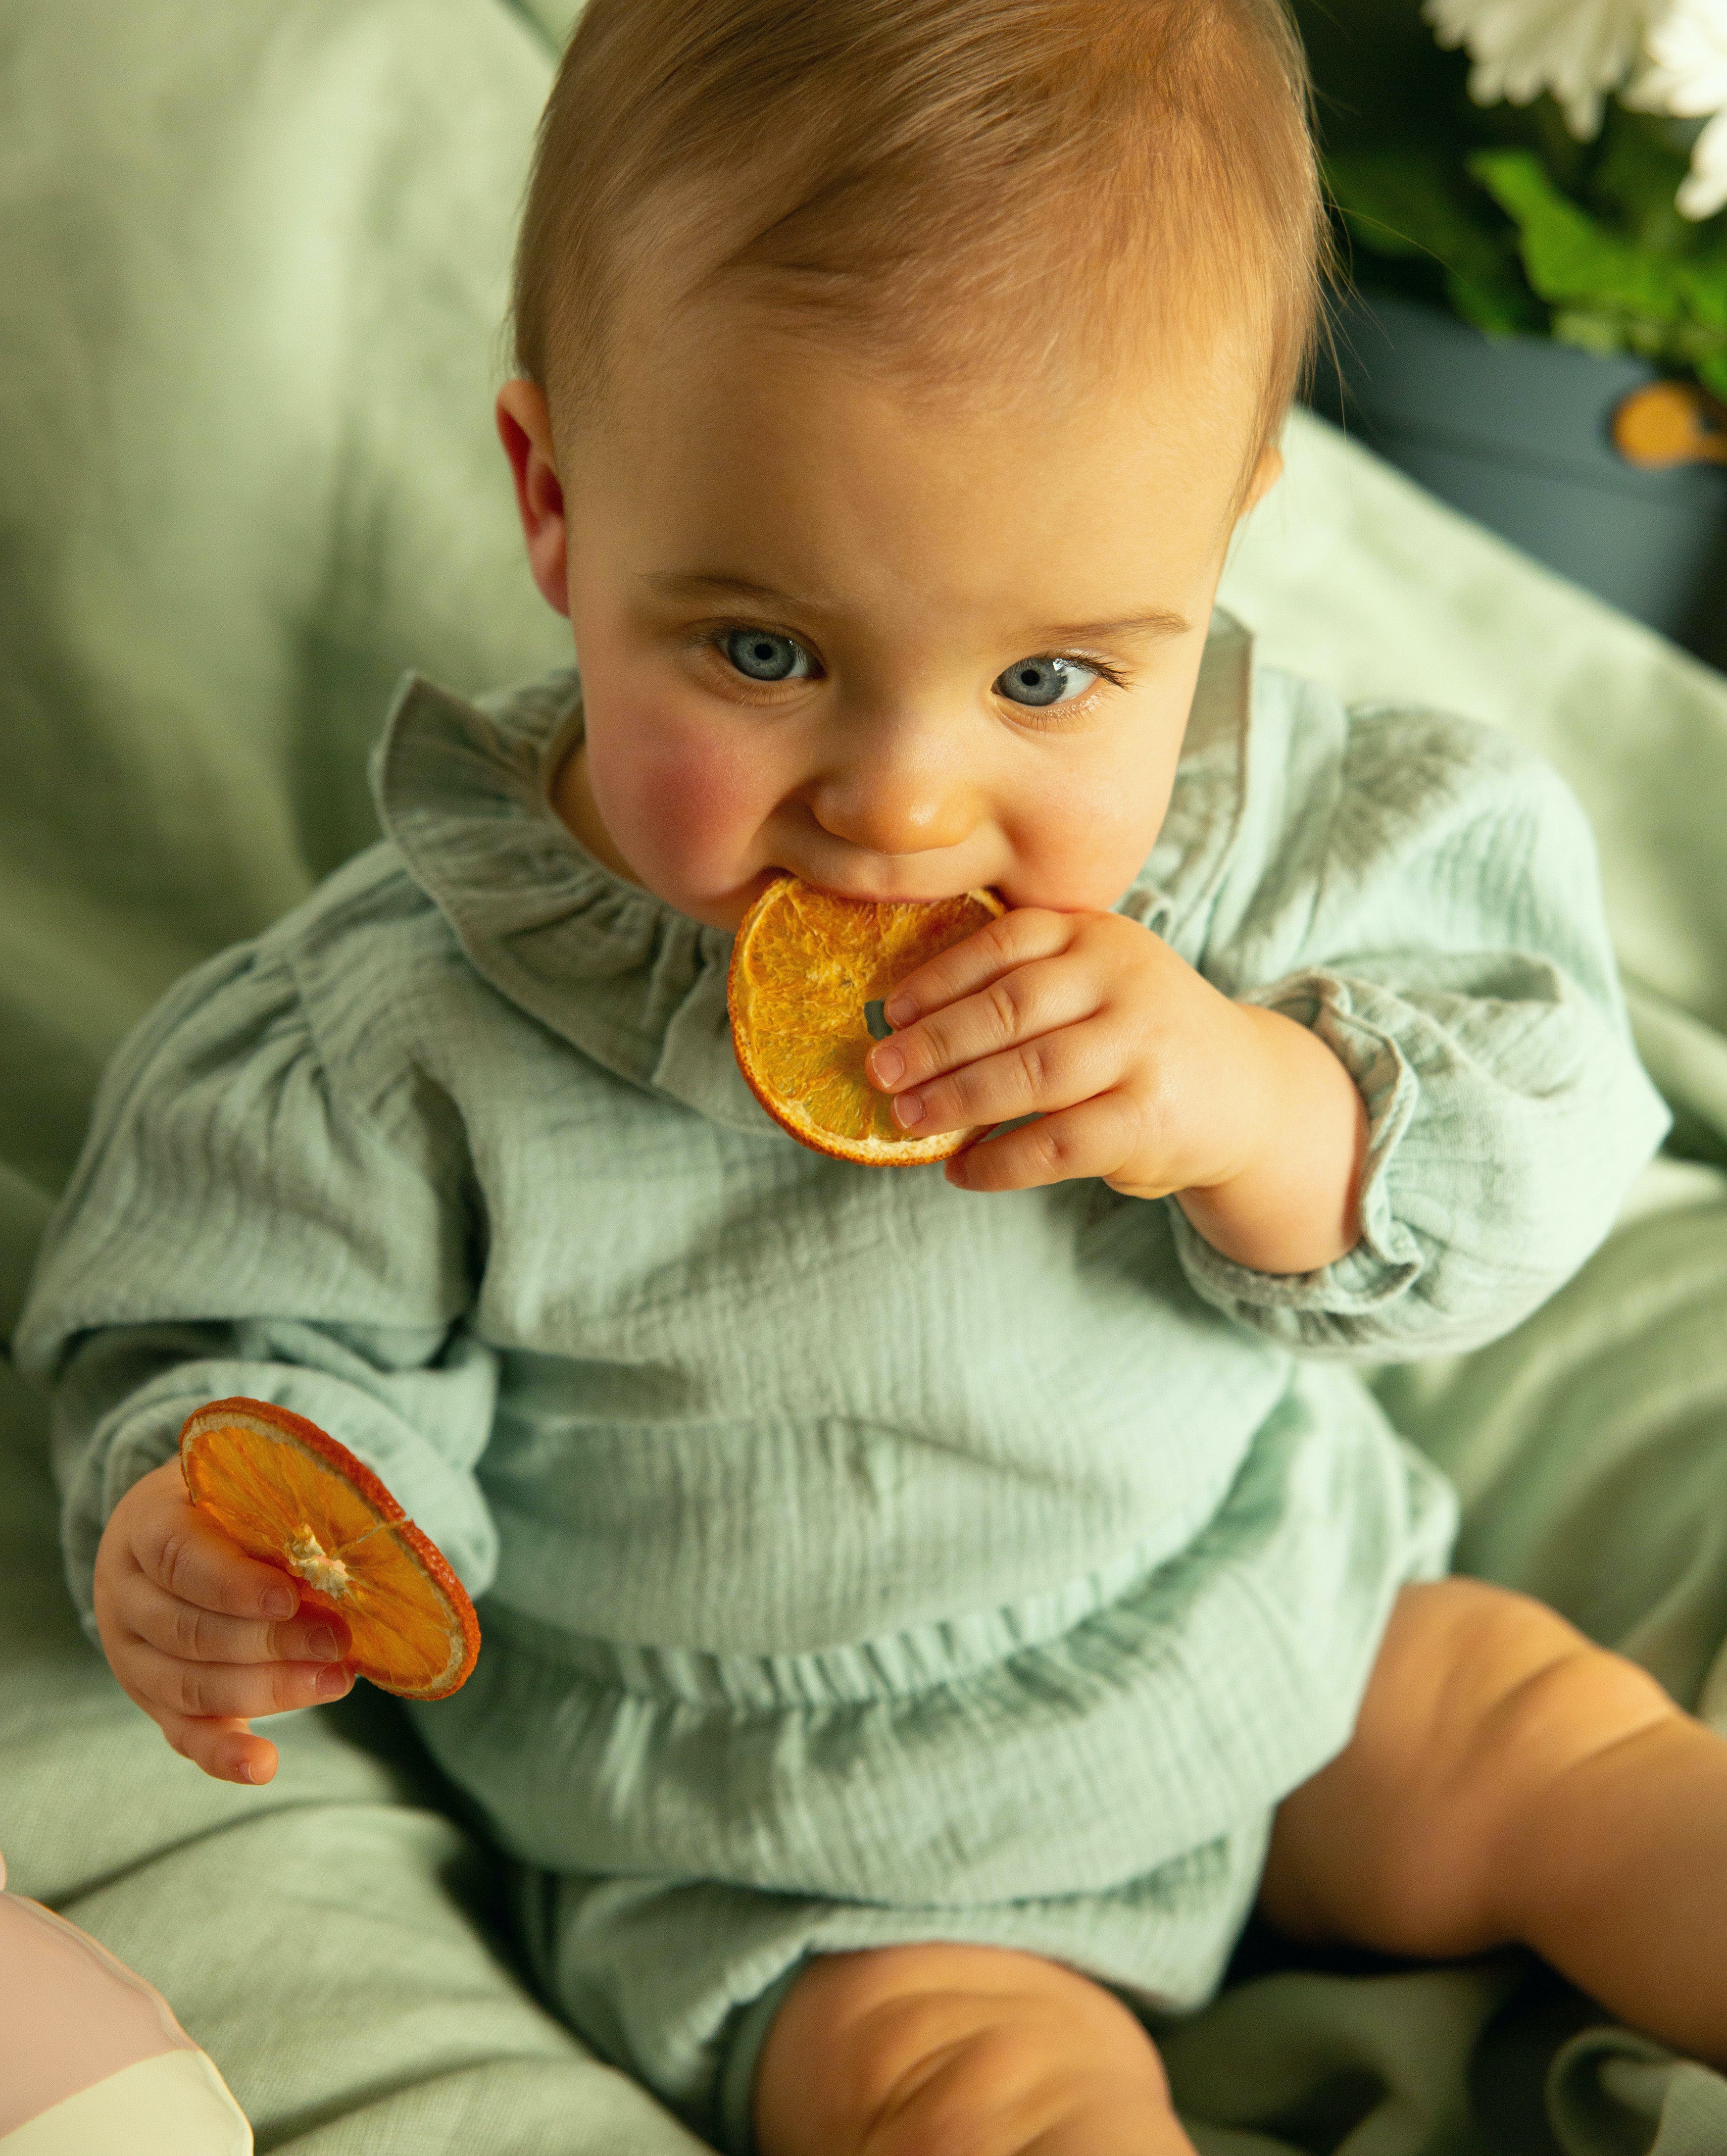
(252, 263)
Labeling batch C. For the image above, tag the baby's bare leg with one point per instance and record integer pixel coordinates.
(1509, 1780)
(964, 2050)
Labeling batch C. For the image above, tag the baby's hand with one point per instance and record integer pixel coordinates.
(1142, 1074)
(201, 1635)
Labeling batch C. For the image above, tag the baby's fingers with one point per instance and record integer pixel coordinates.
(165, 1686)
(196, 1634)
(1028, 932)
(1091, 1139)
(1054, 1071)
(1012, 1012)
(223, 1746)
(180, 1550)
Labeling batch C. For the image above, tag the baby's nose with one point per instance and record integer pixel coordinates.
(894, 811)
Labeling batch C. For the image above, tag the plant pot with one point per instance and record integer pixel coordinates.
(1516, 433)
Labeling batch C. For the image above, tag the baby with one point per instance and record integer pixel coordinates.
(926, 1612)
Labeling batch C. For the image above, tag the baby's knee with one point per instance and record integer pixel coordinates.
(898, 2050)
(1525, 1697)
(1481, 1701)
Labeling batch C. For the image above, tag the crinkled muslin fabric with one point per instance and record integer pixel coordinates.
(859, 1559)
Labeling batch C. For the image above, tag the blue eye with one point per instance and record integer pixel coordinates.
(760, 655)
(1044, 680)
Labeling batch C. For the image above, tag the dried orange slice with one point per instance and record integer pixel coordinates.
(806, 966)
(288, 1493)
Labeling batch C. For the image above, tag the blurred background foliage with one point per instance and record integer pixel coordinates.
(1499, 213)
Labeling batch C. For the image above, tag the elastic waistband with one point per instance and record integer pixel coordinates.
(896, 1664)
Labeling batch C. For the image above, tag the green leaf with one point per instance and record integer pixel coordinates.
(1608, 293)
(1712, 373)
(1499, 211)
(1706, 284)
(1570, 259)
(1405, 203)
(1636, 178)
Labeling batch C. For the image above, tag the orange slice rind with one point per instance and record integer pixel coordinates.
(806, 967)
(289, 1495)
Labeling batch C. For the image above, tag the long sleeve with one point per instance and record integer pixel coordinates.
(233, 1228)
(1424, 894)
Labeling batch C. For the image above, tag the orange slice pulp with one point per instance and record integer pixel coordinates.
(806, 965)
(290, 1495)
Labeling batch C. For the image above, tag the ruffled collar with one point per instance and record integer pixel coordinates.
(464, 788)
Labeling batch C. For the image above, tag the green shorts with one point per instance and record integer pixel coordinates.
(677, 1982)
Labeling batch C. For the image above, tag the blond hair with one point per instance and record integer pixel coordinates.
(976, 189)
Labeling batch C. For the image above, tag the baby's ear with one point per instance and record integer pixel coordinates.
(1266, 474)
(524, 424)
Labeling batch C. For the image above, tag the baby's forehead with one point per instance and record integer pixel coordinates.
(1064, 349)
(746, 470)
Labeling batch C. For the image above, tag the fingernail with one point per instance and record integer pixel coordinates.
(897, 1009)
(888, 1064)
(280, 1602)
(243, 1772)
(333, 1684)
(323, 1645)
(907, 1110)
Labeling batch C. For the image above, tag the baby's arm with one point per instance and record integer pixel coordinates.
(241, 1225)
(201, 1635)
(1418, 896)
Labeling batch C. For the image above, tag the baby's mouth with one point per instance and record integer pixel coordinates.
(877, 896)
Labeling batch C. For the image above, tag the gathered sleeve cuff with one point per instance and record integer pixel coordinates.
(1467, 985)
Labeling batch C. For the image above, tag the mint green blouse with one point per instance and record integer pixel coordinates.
(836, 1530)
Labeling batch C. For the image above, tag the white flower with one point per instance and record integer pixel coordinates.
(1577, 49)
(1687, 75)
(1704, 191)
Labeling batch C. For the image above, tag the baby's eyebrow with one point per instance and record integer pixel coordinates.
(1156, 621)
(693, 584)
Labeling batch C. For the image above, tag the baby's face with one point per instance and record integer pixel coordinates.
(901, 649)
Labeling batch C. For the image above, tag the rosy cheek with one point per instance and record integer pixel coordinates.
(1087, 838)
(684, 797)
